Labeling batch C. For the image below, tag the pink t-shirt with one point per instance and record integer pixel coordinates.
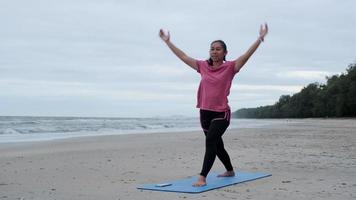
(215, 85)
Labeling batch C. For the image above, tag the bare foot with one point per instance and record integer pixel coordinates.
(227, 174)
(201, 182)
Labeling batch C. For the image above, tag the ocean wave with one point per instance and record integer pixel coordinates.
(44, 128)
(9, 131)
(54, 125)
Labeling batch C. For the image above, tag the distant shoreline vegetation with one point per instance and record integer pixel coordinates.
(337, 98)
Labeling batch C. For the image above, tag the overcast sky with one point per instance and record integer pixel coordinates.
(104, 57)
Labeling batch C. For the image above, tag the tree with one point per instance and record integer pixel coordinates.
(337, 98)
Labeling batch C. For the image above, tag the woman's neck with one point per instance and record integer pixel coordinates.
(217, 63)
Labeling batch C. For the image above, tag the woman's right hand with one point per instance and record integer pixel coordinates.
(165, 37)
(179, 53)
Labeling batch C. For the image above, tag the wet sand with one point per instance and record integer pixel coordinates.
(308, 159)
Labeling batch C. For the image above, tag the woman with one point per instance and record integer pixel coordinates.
(216, 77)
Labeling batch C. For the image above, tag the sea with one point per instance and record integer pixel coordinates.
(33, 128)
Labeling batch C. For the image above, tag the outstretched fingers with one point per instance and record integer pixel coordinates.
(163, 35)
(263, 30)
(266, 29)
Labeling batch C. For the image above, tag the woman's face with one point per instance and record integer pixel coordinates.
(217, 52)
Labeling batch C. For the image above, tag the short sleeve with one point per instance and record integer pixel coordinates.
(232, 66)
(200, 63)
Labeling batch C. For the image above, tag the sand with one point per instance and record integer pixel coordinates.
(308, 159)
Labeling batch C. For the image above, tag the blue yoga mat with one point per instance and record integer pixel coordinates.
(213, 182)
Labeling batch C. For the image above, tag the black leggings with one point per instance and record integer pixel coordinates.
(214, 125)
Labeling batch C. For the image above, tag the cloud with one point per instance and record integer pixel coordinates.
(305, 75)
(244, 95)
(110, 51)
(159, 91)
(267, 88)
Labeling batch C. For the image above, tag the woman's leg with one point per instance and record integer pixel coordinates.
(223, 155)
(214, 125)
(225, 159)
(213, 137)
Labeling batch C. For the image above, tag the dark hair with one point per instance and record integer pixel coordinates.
(210, 61)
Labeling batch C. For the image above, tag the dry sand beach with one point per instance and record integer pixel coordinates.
(308, 159)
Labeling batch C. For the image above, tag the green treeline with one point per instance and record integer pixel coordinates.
(337, 98)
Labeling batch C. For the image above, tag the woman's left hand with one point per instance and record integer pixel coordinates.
(263, 31)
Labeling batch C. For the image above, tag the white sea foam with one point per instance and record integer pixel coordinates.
(21, 129)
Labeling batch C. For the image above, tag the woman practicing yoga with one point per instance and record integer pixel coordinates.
(216, 77)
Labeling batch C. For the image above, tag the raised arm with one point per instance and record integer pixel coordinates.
(179, 53)
(240, 62)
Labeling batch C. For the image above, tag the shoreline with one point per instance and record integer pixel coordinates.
(43, 137)
(313, 159)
